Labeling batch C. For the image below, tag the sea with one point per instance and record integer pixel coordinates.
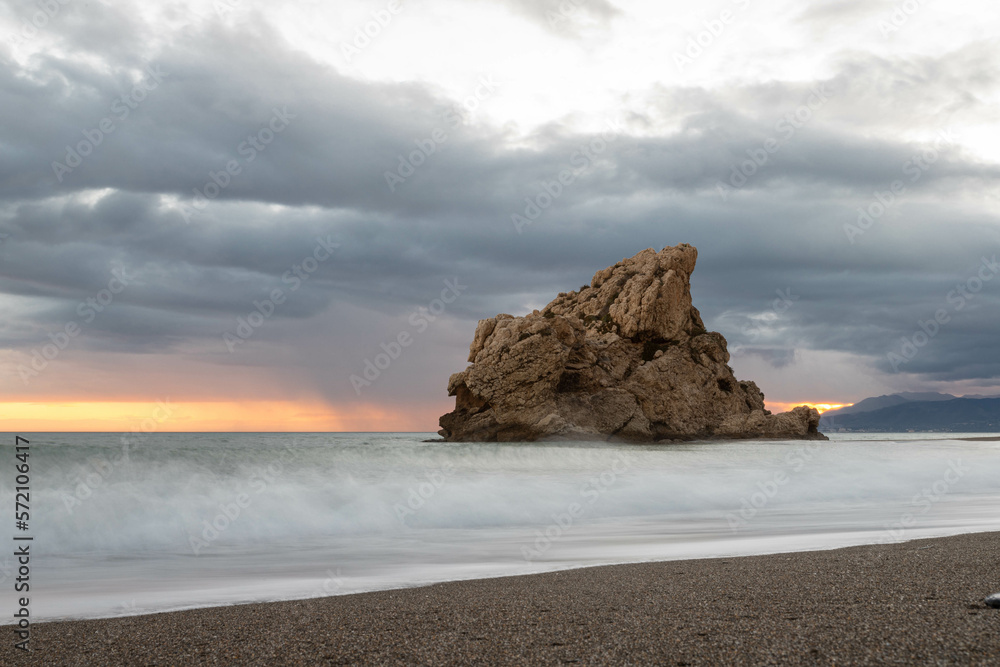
(125, 524)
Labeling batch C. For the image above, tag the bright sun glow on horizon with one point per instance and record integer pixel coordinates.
(821, 407)
(208, 416)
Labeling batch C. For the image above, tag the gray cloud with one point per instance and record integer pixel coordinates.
(323, 177)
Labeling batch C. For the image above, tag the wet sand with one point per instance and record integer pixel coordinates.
(913, 603)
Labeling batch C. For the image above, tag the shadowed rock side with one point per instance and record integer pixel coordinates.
(626, 357)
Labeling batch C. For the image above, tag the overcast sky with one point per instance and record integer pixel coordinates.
(177, 163)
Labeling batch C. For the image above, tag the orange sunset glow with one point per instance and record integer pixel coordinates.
(775, 406)
(198, 416)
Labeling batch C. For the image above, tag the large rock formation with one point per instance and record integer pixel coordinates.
(626, 357)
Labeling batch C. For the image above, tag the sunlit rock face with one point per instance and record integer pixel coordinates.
(626, 357)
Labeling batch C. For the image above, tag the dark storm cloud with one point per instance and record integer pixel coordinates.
(342, 162)
(323, 177)
(342, 136)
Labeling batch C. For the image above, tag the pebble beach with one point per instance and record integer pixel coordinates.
(912, 603)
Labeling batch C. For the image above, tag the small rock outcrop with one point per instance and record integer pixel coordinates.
(626, 357)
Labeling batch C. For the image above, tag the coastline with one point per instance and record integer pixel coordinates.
(913, 602)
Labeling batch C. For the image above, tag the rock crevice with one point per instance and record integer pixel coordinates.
(626, 357)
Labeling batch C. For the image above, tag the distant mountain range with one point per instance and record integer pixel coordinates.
(909, 411)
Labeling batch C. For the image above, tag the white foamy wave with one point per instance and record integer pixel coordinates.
(98, 497)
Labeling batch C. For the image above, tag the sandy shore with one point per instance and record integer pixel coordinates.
(915, 603)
